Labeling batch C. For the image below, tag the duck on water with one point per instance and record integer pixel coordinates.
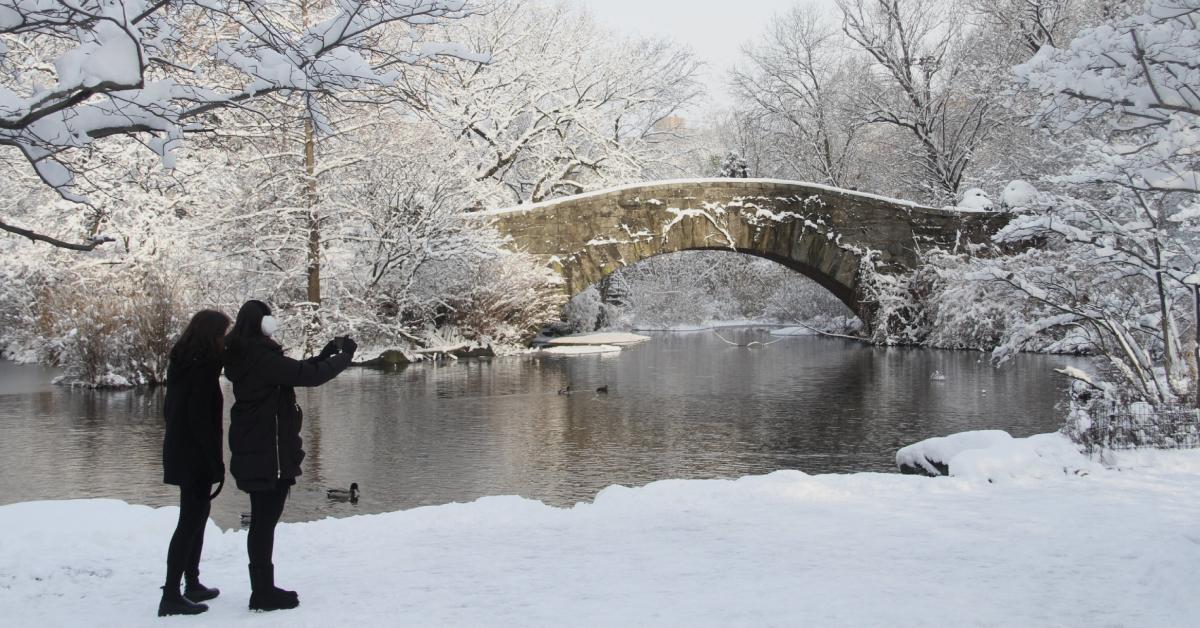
(343, 495)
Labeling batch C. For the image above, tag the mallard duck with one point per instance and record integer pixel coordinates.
(342, 495)
(565, 391)
(603, 390)
(938, 376)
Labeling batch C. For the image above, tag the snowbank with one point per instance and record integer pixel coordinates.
(1039, 456)
(1111, 548)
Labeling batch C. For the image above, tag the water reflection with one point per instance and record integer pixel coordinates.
(680, 406)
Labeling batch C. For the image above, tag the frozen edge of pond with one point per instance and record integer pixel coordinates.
(598, 339)
(569, 350)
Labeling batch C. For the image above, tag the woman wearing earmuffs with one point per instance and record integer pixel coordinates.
(264, 432)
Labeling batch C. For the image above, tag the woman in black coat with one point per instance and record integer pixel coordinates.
(192, 453)
(264, 433)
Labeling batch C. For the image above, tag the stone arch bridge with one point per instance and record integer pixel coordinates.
(836, 237)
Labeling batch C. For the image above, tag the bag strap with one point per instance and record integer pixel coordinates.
(218, 491)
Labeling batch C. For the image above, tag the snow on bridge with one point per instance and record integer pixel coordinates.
(836, 237)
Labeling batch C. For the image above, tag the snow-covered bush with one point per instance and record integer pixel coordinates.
(586, 311)
(975, 199)
(1128, 217)
(79, 75)
(18, 316)
(505, 299)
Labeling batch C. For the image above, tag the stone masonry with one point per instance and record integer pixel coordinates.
(823, 233)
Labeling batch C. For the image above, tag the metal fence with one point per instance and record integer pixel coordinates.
(1143, 426)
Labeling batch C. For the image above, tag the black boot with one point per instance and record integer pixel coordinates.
(264, 595)
(175, 604)
(197, 592)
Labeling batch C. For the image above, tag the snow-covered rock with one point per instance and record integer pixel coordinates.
(932, 456)
(975, 200)
(994, 455)
(1018, 193)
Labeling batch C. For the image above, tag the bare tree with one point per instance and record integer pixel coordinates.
(562, 106)
(919, 84)
(794, 89)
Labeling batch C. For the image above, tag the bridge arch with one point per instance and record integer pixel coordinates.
(830, 235)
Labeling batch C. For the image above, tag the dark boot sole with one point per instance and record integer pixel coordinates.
(267, 609)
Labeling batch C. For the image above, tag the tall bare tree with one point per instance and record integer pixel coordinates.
(919, 85)
(794, 89)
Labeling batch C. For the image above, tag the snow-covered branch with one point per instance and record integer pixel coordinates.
(74, 73)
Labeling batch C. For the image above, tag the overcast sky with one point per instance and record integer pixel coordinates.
(714, 29)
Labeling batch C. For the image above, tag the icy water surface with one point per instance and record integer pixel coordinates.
(684, 405)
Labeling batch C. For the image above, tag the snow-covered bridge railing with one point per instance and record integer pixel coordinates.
(830, 235)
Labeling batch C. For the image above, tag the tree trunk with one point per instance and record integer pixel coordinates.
(314, 222)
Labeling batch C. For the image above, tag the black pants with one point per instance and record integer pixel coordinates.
(183, 555)
(266, 507)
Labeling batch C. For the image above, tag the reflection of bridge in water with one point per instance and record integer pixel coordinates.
(824, 233)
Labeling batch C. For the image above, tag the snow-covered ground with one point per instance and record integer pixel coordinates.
(1109, 548)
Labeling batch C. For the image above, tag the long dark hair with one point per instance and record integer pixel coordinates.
(248, 325)
(202, 339)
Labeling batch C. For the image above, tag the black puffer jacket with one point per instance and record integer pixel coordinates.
(265, 421)
(192, 452)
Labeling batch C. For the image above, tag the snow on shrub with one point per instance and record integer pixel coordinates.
(1018, 194)
(975, 200)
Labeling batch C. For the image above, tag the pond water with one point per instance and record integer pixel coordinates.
(683, 405)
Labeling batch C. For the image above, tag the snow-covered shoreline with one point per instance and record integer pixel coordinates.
(1110, 548)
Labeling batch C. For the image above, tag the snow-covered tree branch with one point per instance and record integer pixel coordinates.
(562, 106)
(74, 73)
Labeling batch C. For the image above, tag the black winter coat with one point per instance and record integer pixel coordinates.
(264, 423)
(192, 451)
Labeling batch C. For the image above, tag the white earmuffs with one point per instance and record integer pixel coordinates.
(269, 326)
